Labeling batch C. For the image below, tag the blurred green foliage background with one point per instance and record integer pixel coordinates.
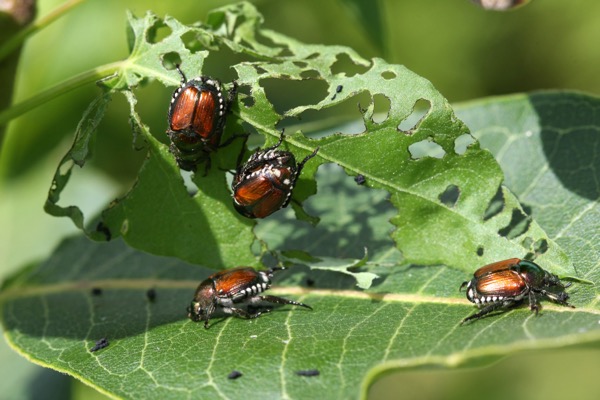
(466, 52)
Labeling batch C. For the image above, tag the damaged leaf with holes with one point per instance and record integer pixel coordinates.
(410, 143)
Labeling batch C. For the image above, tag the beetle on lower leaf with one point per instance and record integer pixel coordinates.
(196, 120)
(264, 184)
(505, 284)
(236, 292)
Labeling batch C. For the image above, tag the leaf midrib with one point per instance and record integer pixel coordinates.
(143, 285)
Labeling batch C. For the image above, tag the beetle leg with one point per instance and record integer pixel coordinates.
(465, 283)
(297, 174)
(487, 309)
(534, 305)
(231, 95)
(207, 163)
(281, 300)
(245, 314)
(560, 298)
(208, 313)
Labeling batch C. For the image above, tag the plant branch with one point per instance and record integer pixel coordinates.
(59, 89)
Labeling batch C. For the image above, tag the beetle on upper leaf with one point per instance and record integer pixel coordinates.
(505, 284)
(196, 120)
(265, 182)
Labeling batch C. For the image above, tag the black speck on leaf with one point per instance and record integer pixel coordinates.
(151, 295)
(308, 372)
(100, 344)
(234, 375)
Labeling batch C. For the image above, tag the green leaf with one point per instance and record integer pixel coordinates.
(80, 152)
(363, 279)
(547, 145)
(157, 215)
(409, 318)
(203, 228)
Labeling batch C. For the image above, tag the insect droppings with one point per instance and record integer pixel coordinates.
(234, 374)
(100, 344)
(308, 372)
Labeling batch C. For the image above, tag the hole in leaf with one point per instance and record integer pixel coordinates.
(260, 69)
(170, 60)
(65, 167)
(450, 196)
(328, 118)
(286, 52)
(496, 205)
(344, 65)
(188, 181)
(462, 143)
(310, 74)
(519, 224)
(191, 42)
(527, 209)
(411, 123)
(247, 101)
(312, 56)
(287, 94)
(243, 94)
(541, 246)
(300, 64)
(382, 108)
(426, 148)
(480, 251)
(214, 65)
(157, 32)
(388, 75)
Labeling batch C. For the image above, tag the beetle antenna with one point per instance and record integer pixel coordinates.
(281, 136)
(308, 157)
(271, 270)
(183, 78)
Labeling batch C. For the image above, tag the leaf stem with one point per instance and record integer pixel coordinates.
(14, 42)
(59, 89)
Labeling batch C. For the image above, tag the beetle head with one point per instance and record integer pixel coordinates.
(203, 304)
(553, 280)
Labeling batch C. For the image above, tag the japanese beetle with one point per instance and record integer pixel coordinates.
(504, 284)
(235, 291)
(264, 184)
(196, 120)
